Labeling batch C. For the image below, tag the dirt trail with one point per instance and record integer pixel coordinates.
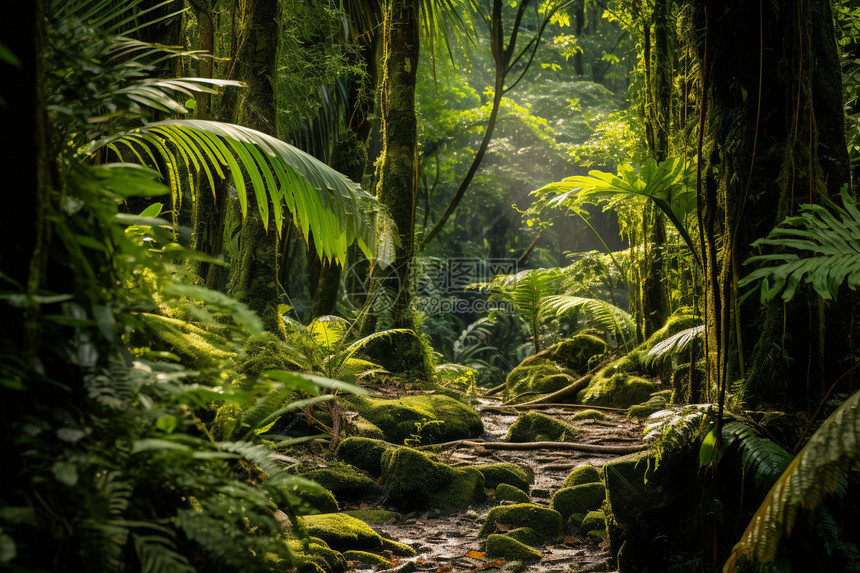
(444, 539)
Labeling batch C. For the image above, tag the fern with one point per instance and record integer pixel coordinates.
(674, 343)
(814, 472)
(763, 458)
(829, 243)
(601, 314)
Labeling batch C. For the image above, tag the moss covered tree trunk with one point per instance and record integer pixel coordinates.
(773, 139)
(397, 186)
(254, 272)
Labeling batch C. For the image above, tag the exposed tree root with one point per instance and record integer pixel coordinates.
(592, 448)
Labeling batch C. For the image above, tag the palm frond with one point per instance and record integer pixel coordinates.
(761, 457)
(601, 314)
(815, 472)
(674, 343)
(320, 199)
(829, 247)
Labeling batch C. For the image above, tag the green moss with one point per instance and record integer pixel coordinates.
(511, 474)
(654, 404)
(547, 522)
(366, 558)
(527, 535)
(397, 417)
(598, 534)
(345, 483)
(316, 557)
(414, 480)
(620, 390)
(373, 515)
(366, 429)
(541, 493)
(504, 547)
(322, 501)
(536, 427)
(400, 549)
(578, 499)
(363, 453)
(576, 519)
(227, 420)
(583, 474)
(589, 415)
(342, 532)
(676, 323)
(265, 352)
(506, 492)
(593, 520)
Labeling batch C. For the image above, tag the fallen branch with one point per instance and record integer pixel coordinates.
(495, 389)
(527, 446)
(564, 393)
(514, 407)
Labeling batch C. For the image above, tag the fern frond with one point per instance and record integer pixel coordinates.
(674, 343)
(829, 247)
(815, 472)
(327, 331)
(602, 314)
(763, 458)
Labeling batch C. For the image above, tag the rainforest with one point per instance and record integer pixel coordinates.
(430, 286)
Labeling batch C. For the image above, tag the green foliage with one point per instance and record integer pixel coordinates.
(814, 472)
(829, 248)
(674, 343)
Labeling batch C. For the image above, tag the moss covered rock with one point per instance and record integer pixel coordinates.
(593, 520)
(553, 368)
(536, 427)
(527, 535)
(342, 532)
(397, 548)
(316, 557)
(511, 474)
(578, 499)
(366, 558)
(320, 501)
(654, 404)
(397, 418)
(589, 415)
(620, 390)
(506, 492)
(576, 519)
(598, 534)
(509, 549)
(546, 522)
(583, 474)
(345, 483)
(373, 515)
(364, 428)
(363, 453)
(414, 480)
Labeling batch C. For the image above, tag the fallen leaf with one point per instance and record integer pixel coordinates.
(475, 555)
(604, 544)
(392, 520)
(365, 506)
(419, 560)
(571, 540)
(444, 569)
(350, 564)
(503, 527)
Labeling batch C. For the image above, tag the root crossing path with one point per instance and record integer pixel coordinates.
(448, 541)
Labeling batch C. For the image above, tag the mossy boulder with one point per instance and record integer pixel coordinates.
(511, 474)
(397, 418)
(578, 499)
(553, 368)
(343, 532)
(620, 390)
(366, 558)
(596, 415)
(509, 549)
(364, 428)
(363, 453)
(527, 535)
(414, 481)
(315, 557)
(654, 404)
(404, 354)
(598, 534)
(373, 515)
(593, 520)
(583, 474)
(319, 501)
(536, 427)
(576, 519)
(345, 483)
(546, 522)
(506, 492)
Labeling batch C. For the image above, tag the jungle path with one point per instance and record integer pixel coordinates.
(448, 541)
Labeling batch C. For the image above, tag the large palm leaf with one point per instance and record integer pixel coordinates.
(320, 199)
(662, 184)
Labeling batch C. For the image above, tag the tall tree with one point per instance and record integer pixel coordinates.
(771, 137)
(254, 274)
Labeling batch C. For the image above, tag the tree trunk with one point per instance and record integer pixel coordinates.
(254, 273)
(773, 139)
